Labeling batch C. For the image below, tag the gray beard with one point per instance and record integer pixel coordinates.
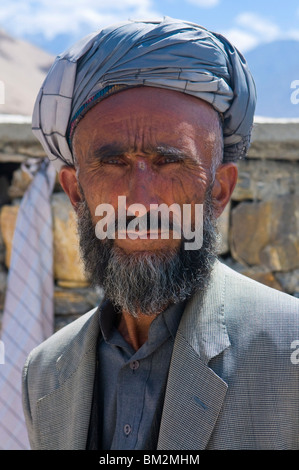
(147, 282)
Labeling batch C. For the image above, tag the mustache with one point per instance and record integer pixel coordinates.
(163, 221)
(143, 223)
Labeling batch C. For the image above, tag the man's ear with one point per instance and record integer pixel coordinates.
(225, 182)
(69, 183)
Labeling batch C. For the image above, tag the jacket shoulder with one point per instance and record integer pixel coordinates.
(247, 294)
(52, 363)
(258, 314)
(56, 344)
(41, 371)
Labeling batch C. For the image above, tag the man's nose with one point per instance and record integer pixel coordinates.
(142, 188)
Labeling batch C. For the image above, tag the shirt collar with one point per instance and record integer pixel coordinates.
(165, 324)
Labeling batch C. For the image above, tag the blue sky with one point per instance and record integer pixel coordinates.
(55, 24)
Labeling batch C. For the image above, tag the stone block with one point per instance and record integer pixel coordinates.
(8, 217)
(21, 180)
(75, 301)
(20, 183)
(263, 276)
(266, 179)
(289, 281)
(281, 255)
(68, 267)
(11, 157)
(275, 139)
(266, 232)
(70, 304)
(60, 321)
(257, 273)
(16, 130)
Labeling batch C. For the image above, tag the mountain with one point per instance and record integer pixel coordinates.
(274, 67)
(23, 68)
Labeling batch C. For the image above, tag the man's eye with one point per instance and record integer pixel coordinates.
(113, 161)
(167, 160)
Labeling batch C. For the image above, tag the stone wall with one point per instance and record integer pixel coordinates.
(259, 229)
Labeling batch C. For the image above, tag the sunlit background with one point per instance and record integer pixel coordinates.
(266, 32)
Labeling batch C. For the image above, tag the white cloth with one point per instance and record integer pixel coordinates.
(28, 311)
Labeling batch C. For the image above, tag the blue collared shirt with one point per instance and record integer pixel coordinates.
(132, 383)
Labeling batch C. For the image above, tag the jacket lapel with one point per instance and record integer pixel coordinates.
(72, 399)
(195, 394)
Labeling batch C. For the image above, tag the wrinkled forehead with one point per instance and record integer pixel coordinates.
(144, 117)
(154, 105)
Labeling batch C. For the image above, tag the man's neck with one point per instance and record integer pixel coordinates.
(135, 329)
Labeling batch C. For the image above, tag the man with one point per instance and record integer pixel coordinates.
(183, 353)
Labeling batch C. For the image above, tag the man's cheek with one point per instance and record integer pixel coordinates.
(188, 189)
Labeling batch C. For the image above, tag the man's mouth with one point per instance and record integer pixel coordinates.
(152, 234)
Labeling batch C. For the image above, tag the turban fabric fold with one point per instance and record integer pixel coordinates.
(171, 54)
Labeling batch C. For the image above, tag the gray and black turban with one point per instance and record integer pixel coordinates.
(171, 54)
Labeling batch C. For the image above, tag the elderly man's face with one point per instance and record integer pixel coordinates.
(153, 146)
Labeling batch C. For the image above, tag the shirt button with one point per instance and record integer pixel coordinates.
(134, 365)
(127, 429)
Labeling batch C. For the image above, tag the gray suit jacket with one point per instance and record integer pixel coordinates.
(233, 380)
